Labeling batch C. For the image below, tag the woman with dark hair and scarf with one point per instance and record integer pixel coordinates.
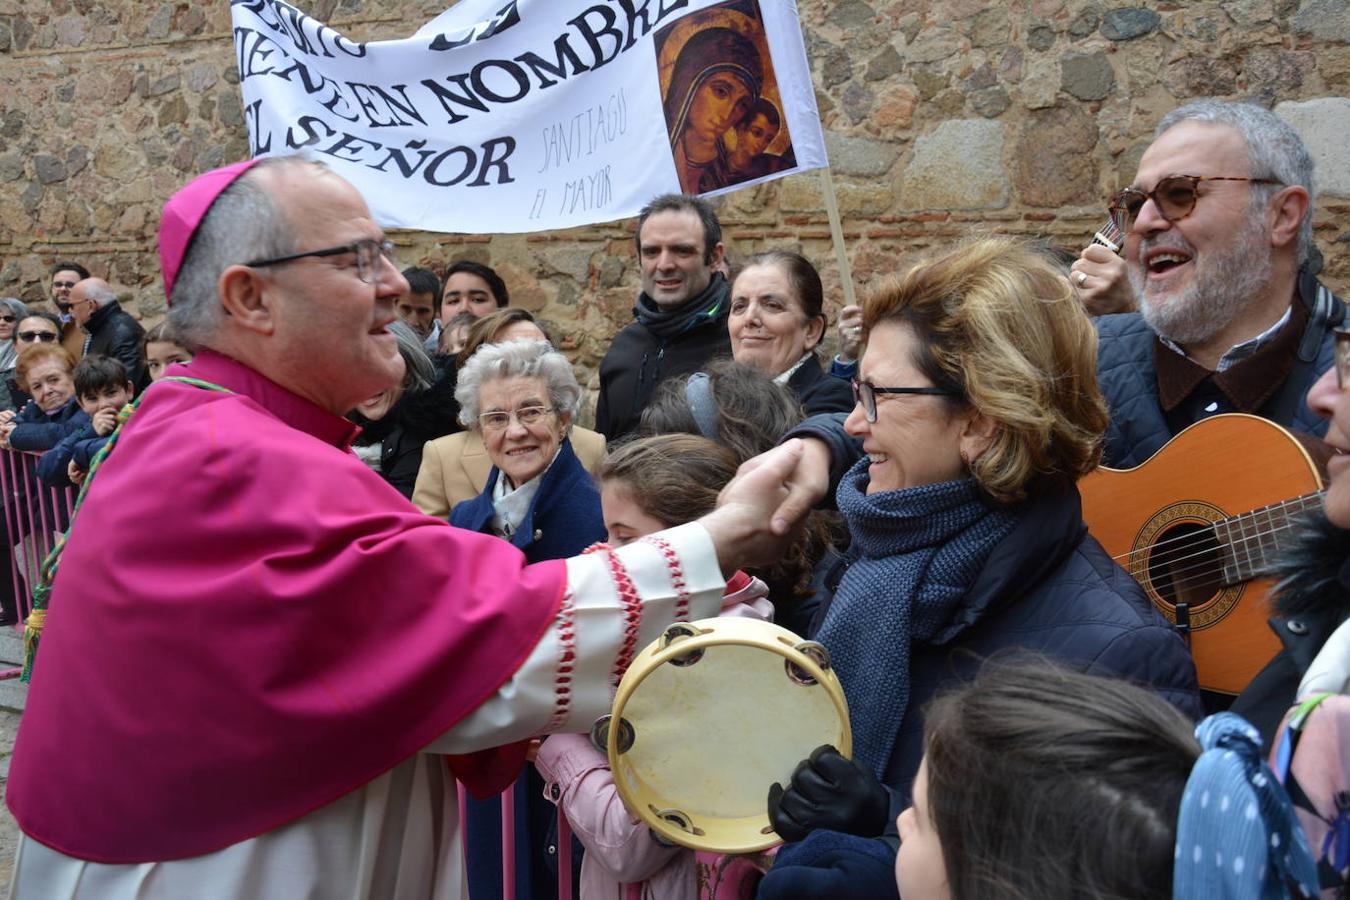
(397, 422)
(716, 78)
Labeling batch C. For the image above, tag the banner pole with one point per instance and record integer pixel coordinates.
(837, 235)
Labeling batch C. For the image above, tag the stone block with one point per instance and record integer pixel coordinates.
(859, 156)
(1196, 76)
(1052, 162)
(990, 28)
(1249, 13)
(857, 102)
(1040, 85)
(1129, 23)
(894, 110)
(202, 76)
(933, 44)
(958, 165)
(50, 169)
(1041, 38)
(884, 65)
(1323, 124)
(851, 15)
(1325, 20)
(11, 167)
(1087, 76)
(990, 102)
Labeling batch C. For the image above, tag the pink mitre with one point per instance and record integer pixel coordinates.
(185, 211)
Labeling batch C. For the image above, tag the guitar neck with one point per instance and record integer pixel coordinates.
(1251, 542)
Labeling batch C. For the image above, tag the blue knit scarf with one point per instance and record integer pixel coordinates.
(915, 554)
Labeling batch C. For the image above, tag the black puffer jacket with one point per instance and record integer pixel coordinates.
(113, 332)
(413, 420)
(638, 360)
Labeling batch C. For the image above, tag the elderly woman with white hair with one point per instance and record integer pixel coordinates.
(521, 397)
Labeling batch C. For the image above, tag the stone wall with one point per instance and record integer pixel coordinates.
(943, 118)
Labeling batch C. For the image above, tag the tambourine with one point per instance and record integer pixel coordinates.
(708, 717)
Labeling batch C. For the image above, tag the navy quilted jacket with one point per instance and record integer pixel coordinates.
(1128, 380)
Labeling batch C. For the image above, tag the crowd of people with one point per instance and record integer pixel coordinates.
(418, 555)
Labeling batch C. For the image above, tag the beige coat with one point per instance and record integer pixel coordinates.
(455, 468)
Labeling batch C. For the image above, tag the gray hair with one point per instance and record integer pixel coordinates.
(101, 294)
(242, 223)
(1273, 147)
(15, 307)
(420, 372)
(516, 359)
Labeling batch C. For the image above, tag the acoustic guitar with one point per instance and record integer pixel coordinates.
(1198, 525)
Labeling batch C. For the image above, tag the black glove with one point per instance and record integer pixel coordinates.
(829, 791)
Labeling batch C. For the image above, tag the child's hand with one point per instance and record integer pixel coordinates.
(75, 473)
(5, 416)
(105, 421)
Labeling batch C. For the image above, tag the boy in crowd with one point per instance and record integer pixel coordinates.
(103, 388)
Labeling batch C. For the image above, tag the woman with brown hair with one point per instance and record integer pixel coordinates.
(455, 468)
(978, 410)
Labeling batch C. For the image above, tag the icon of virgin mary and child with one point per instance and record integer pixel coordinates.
(720, 123)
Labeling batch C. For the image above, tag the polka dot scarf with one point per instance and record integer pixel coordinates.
(1237, 837)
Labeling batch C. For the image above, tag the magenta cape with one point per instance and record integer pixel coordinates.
(249, 623)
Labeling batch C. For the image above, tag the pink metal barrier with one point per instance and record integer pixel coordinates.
(35, 515)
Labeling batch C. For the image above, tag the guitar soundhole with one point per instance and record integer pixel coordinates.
(1186, 565)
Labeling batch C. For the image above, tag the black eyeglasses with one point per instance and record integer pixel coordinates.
(368, 252)
(1174, 196)
(865, 393)
(1342, 356)
(29, 337)
(63, 284)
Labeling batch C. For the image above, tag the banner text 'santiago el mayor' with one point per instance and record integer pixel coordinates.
(528, 115)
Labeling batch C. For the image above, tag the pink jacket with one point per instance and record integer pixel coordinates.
(621, 853)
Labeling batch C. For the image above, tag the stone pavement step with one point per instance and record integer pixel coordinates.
(13, 693)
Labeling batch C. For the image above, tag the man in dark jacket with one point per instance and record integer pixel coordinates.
(112, 331)
(681, 313)
(1218, 229)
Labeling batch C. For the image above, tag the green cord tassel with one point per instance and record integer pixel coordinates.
(33, 625)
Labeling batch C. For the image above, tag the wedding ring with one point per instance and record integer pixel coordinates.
(1081, 278)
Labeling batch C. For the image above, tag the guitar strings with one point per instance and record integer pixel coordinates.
(1199, 573)
(1213, 550)
(1308, 502)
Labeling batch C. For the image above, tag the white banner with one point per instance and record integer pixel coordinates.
(528, 115)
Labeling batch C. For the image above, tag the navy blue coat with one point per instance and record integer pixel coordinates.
(563, 519)
(1048, 588)
(1129, 382)
(818, 391)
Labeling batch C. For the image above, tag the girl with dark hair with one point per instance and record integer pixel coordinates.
(1040, 782)
(646, 485)
(744, 411)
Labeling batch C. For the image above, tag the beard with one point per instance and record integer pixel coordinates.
(1225, 283)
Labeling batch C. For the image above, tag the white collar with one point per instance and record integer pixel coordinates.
(783, 378)
(511, 504)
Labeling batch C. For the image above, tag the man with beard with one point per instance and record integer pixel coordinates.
(681, 313)
(1218, 230)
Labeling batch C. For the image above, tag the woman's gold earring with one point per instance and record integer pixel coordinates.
(965, 457)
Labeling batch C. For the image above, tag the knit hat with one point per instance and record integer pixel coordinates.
(185, 211)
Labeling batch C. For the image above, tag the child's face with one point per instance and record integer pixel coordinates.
(159, 355)
(920, 870)
(625, 521)
(109, 398)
